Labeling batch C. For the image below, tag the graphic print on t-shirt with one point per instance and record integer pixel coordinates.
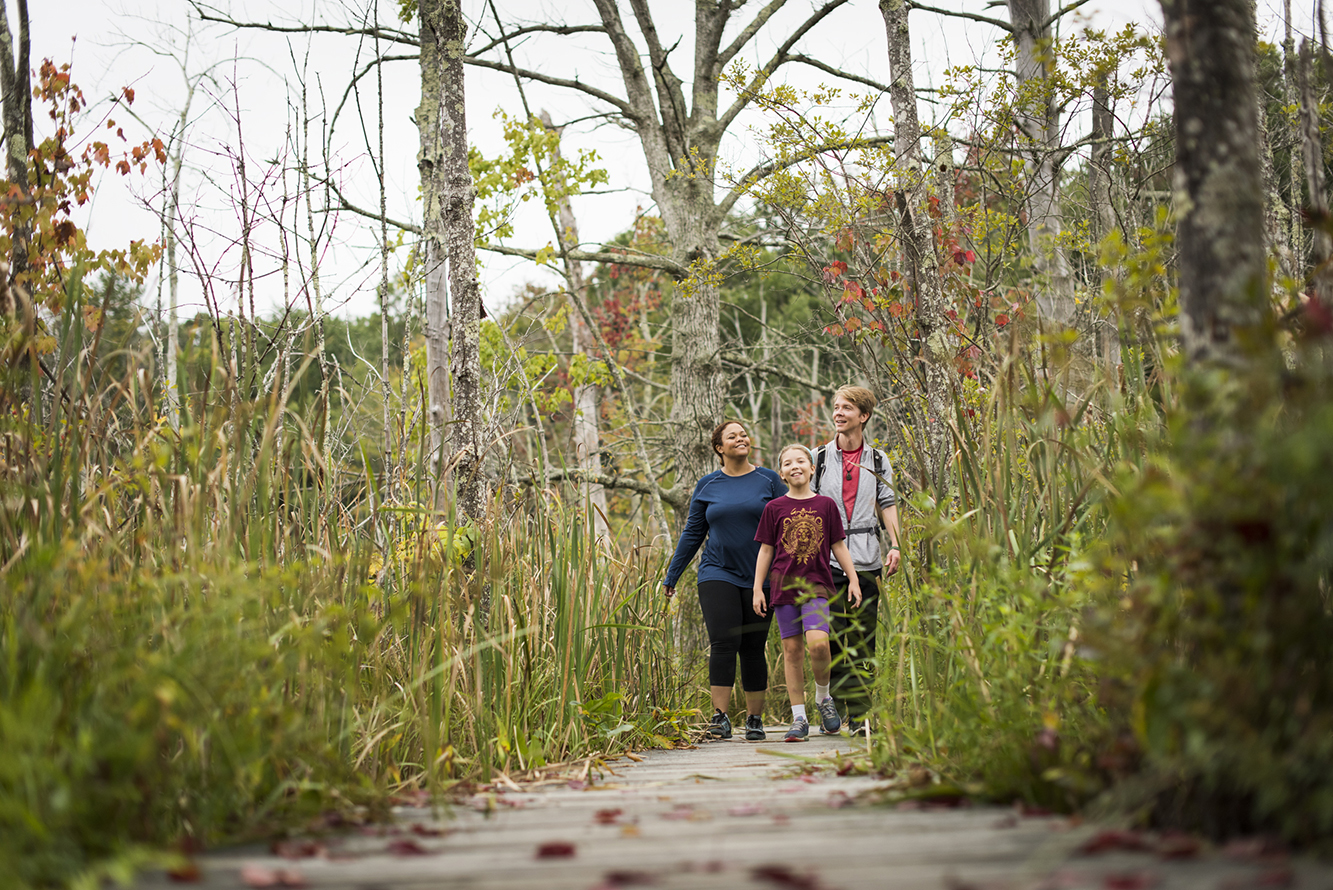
(802, 535)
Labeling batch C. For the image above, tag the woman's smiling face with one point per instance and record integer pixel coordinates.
(735, 441)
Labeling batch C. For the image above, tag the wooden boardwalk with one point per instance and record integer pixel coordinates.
(736, 814)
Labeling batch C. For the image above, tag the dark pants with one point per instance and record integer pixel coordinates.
(734, 630)
(852, 643)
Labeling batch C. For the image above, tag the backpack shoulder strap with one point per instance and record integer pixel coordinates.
(819, 466)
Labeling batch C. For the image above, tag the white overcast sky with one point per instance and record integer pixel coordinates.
(120, 42)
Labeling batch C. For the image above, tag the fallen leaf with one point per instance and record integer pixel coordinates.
(427, 830)
(629, 831)
(555, 850)
(1139, 880)
(186, 873)
(297, 849)
(607, 817)
(781, 819)
(628, 879)
(632, 756)
(839, 799)
(782, 876)
(1112, 839)
(1178, 845)
(406, 847)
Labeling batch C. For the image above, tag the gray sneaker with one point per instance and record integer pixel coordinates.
(798, 732)
(830, 721)
(720, 727)
(858, 726)
(754, 728)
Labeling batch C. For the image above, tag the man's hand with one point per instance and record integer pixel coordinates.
(669, 591)
(760, 602)
(892, 560)
(854, 590)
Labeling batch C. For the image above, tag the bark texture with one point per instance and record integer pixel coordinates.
(1218, 190)
(1312, 156)
(918, 242)
(448, 194)
(1106, 325)
(16, 81)
(587, 398)
(1038, 121)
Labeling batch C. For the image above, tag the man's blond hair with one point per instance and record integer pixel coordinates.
(862, 398)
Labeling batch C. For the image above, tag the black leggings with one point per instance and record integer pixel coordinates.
(734, 629)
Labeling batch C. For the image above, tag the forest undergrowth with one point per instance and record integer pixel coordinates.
(1118, 600)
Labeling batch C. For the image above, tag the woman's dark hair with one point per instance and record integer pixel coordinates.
(717, 435)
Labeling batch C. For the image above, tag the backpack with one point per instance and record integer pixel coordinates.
(878, 460)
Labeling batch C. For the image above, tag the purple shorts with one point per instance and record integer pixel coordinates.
(794, 620)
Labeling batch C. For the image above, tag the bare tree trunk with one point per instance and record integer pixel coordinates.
(1106, 327)
(1312, 153)
(1223, 303)
(1291, 96)
(459, 232)
(945, 175)
(587, 397)
(915, 231)
(16, 81)
(1039, 125)
(430, 164)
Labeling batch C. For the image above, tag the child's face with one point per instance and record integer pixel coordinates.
(795, 467)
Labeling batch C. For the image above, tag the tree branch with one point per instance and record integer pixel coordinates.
(393, 35)
(999, 23)
(546, 29)
(673, 496)
(625, 107)
(759, 172)
(776, 62)
(641, 261)
(740, 361)
(829, 69)
(1059, 13)
(748, 32)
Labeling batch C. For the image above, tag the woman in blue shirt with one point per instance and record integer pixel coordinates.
(725, 509)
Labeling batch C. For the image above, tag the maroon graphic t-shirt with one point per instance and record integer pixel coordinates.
(802, 533)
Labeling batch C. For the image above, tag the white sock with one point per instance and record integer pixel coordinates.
(821, 692)
(798, 713)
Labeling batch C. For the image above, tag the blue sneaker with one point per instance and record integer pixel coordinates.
(830, 721)
(798, 732)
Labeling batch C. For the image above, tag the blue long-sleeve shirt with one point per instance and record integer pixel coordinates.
(725, 510)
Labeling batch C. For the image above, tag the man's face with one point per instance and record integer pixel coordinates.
(847, 418)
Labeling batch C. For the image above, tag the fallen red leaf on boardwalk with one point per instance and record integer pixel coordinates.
(294, 849)
(428, 830)
(406, 847)
(783, 876)
(626, 879)
(555, 850)
(1113, 839)
(607, 817)
(1178, 845)
(1139, 880)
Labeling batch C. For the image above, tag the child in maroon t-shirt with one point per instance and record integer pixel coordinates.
(798, 531)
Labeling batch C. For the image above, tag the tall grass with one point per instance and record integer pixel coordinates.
(221, 631)
(984, 673)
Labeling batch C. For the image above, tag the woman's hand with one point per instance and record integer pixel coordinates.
(668, 591)
(760, 602)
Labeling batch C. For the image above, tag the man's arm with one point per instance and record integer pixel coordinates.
(890, 516)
